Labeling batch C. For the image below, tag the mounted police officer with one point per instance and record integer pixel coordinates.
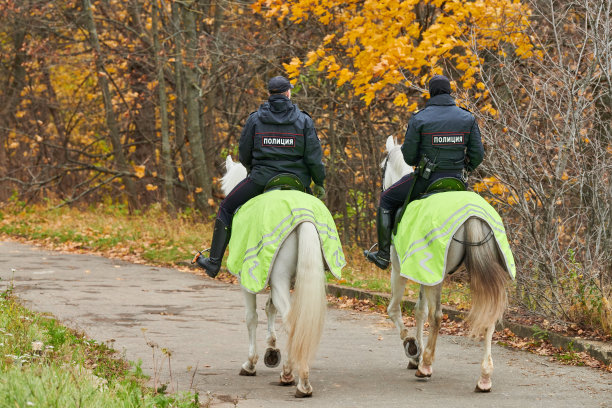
(277, 138)
(441, 141)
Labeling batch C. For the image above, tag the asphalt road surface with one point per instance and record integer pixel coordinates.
(360, 362)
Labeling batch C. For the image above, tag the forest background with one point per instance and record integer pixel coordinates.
(134, 103)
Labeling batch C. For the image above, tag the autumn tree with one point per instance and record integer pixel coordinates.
(375, 45)
(550, 168)
(537, 74)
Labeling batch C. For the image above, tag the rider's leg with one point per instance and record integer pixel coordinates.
(243, 192)
(384, 226)
(390, 201)
(221, 236)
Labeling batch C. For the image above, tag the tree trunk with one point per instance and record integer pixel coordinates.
(111, 121)
(186, 170)
(11, 100)
(163, 113)
(214, 10)
(202, 178)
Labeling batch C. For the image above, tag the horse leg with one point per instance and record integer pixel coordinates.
(280, 283)
(432, 296)
(414, 345)
(273, 356)
(303, 383)
(280, 298)
(486, 368)
(394, 310)
(248, 368)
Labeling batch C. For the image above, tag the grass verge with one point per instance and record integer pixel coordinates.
(44, 364)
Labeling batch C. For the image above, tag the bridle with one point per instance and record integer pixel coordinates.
(384, 170)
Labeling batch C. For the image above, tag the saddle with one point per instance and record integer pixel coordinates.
(444, 184)
(285, 181)
(441, 185)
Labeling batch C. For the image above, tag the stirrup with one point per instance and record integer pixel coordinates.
(198, 254)
(380, 262)
(211, 270)
(369, 251)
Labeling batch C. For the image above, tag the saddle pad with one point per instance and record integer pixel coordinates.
(425, 233)
(260, 227)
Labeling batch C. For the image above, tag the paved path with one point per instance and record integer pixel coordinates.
(360, 362)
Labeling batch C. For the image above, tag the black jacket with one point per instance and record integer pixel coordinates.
(279, 138)
(444, 133)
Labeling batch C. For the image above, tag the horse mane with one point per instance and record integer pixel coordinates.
(235, 172)
(396, 166)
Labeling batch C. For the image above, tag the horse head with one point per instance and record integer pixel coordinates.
(235, 172)
(394, 167)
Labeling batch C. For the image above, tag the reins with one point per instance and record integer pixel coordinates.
(384, 170)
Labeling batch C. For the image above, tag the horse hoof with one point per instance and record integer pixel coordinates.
(246, 373)
(300, 394)
(411, 347)
(272, 357)
(478, 389)
(421, 374)
(412, 365)
(484, 386)
(286, 381)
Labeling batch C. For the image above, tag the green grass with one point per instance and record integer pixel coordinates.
(44, 364)
(152, 235)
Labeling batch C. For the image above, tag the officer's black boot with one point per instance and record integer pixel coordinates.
(221, 236)
(384, 225)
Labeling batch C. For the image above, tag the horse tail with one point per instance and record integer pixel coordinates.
(488, 277)
(308, 305)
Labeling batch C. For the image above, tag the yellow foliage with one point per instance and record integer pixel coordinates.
(139, 171)
(293, 68)
(378, 45)
(151, 187)
(401, 100)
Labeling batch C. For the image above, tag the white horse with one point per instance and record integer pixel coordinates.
(299, 260)
(488, 280)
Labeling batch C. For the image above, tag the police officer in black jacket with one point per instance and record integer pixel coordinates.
(443, 134)
(277, 138)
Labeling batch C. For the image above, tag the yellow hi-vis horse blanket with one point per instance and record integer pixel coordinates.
(261, 226)
(426, 230)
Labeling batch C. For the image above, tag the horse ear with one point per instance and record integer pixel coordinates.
(229, 162)
(390, 143)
